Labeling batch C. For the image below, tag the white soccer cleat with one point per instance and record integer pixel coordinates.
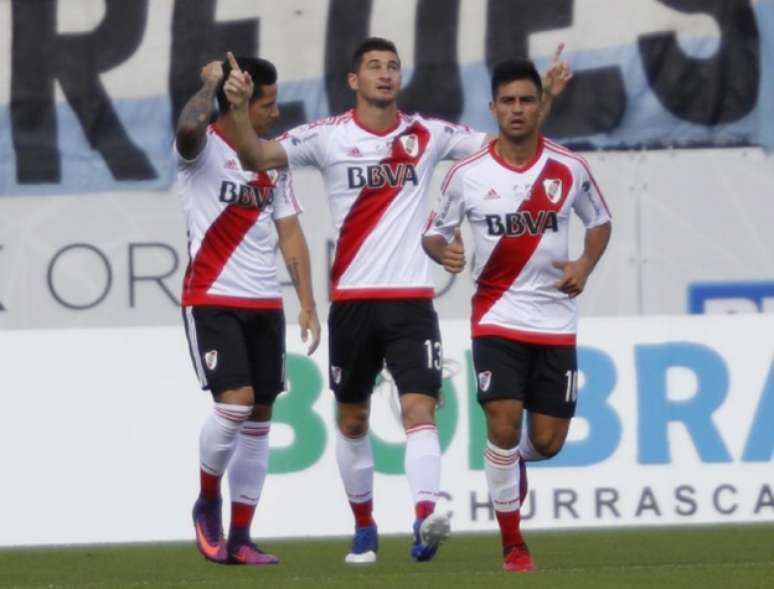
(365, 543)
(368, 557)
(435, 529)
(429, 534)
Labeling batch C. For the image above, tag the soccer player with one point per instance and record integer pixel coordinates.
(518, 193)
(232, 305)
(377, 163)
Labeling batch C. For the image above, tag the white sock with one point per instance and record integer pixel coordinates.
(248, 466)
(527, 449)
(218, 436)
(356, 467)
(502, 477)
(423, 462)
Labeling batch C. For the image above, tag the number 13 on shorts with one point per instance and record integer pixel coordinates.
(433, 350)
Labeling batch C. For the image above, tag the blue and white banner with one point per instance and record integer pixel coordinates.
(90, 89)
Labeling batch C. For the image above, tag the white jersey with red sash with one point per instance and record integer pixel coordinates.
(230, 215)
(376, 183)
(520, 218)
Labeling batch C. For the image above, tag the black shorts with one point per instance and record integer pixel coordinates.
(543, 377)
(364, 335)
(232, 348)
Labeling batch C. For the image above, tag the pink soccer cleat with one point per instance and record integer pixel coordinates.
(243, 551)
(209, 530)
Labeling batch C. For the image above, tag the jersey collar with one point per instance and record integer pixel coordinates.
(390, 129)
(526, 166)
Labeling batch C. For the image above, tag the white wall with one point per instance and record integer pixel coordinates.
(678, 217)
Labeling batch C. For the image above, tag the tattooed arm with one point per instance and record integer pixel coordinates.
(195, 117)
(296, 254)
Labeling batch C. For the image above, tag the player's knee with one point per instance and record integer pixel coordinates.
(419, 413)
(238, 396)
(547, 444)
(503, 434)
(352, 420)
(353, 428)
(261, 412)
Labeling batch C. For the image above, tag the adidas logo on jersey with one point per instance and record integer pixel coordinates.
(231, 165)
(492, 195)
(354, 152)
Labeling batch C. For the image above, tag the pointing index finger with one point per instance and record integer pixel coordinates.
(558, 52)
(233, 62)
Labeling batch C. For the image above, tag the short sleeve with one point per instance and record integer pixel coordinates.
(285, 202)
(305, 145)
(195, 163)
(449, 211)
(456, 142)
(589, 204)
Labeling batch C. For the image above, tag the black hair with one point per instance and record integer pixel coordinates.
(511, 70)
(261, 71)
(370, 44)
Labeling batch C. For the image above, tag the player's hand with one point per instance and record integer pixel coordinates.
(212, 73)
(239, 86)
(574, 276)
(307, 320)
(453, 259)
(558, 75)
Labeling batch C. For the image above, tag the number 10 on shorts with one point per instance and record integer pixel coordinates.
(572, 386)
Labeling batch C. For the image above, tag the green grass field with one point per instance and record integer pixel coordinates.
(701, 557)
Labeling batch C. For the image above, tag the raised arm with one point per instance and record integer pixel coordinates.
(555, 80)
(193, 121)
(296, 254)
(255, 155)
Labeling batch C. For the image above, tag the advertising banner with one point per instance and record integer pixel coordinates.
(100, 430)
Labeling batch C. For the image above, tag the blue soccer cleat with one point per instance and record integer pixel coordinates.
(429, 534)
(365, 545)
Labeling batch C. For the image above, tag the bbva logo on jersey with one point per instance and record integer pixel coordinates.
(380, 175)
(521, 222)
(245, 195)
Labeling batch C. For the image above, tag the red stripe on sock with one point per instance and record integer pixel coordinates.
(241, 515)
(210, 485)
(363, 513)
(420, 427)
(424, 508)
(509, 522)
(501, 460)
